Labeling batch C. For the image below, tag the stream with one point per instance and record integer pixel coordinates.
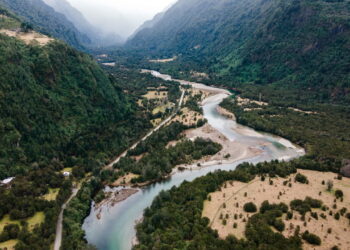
(115, 230)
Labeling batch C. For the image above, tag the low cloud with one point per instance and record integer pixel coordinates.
(120, 16)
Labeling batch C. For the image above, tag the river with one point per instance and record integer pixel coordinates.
(115, 229)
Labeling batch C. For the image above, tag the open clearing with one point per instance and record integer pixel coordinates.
(124, 180)
(28, 37)
(166, 60)
(38, 218)
(51, 195)
(188, 117)
(10, 244)
(155, 94)
(258, 191)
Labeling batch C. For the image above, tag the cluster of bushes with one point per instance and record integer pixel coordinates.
(311, 238)
(301, 178)
(304, 206)
(160, 161)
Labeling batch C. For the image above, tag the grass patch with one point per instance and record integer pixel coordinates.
(156, 94)
(162, 108)
(10, 244)
(6, 221)
(52, 195)
(38, 218)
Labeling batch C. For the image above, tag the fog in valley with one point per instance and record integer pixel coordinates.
(120, 17)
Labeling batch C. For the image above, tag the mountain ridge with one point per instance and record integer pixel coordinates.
(296, 44)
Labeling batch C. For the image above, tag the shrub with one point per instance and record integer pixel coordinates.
(250, 207)
(301, 178)
(339, 193)
(279, 225)
(314, 215)
(343, 211)
(311, 238)
(337, 216)
(329, 185)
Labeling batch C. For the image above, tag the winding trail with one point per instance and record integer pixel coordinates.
(151, 132)
(59, 226)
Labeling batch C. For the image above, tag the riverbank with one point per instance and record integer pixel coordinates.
(237, 148)
(112, 198)
(232, 151)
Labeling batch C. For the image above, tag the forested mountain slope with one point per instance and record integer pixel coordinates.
(45, 19)
(289, 45)
(57, 105)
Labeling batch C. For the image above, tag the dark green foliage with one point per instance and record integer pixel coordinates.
(272, 47)
(304, 206)
(314, 215)
(250, 207)
(175, 216)
(47, 21)
(57, 109)
(75, 213)
(73, 112)
(339, 193)
(279, 225)
(337, 216)
(159, 161)
(266, 206)
(10, 231)
(159, 139)
(311, 238)
(301, 178)
(326, 142)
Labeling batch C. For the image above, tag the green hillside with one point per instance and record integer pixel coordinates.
(59, 111)
(47, 21)
(299, 46)
(57, 105)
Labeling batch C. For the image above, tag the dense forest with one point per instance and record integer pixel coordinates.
(59, 112)
(46, 20)
(300, 46)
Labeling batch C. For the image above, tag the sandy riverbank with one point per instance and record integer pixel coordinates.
(231, 152)
(112, 198)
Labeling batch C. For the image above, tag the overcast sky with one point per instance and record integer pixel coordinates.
(120, 16)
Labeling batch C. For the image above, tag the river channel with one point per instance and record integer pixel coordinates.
(115, 230)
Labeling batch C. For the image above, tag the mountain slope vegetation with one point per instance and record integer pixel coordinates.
(59, 112)
(58, 105)
(298, 46)
(46, 20)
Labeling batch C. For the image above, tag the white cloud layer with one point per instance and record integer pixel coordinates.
(120, 16)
